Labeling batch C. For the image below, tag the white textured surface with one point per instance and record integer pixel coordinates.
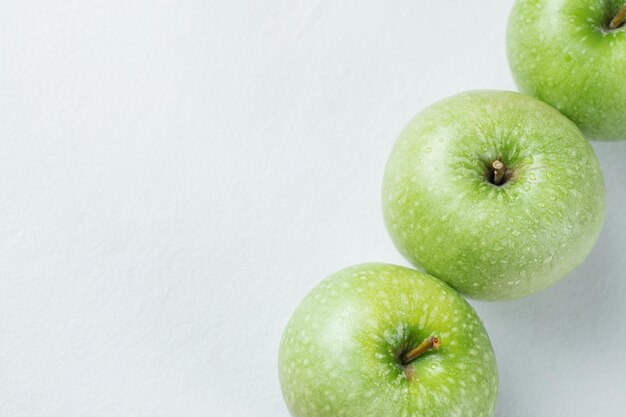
(175, 177)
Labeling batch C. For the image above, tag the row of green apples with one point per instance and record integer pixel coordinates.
(498, 195)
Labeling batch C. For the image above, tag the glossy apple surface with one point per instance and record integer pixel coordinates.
(342, 351)
(493, 241)
(565, 53)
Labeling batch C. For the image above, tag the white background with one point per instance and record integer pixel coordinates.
(176, 175)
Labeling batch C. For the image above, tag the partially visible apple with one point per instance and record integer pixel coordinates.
(386, 341)
(572, 55)
(496, 193)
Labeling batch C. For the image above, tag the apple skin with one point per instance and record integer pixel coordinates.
(562, 52)
(487, 241)
(339, 352)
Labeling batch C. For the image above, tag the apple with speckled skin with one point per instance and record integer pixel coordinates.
(384, 340)
(572, 55)
(496, 193)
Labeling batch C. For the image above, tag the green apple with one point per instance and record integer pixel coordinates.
(386, 341)
(496, 193)
(572, 55)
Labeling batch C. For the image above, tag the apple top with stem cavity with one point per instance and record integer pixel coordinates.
(571, 54)
(384, 340)
(494, 192)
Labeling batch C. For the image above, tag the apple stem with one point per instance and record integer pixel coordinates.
(498, 172)
(428, 344)
(619, 19)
